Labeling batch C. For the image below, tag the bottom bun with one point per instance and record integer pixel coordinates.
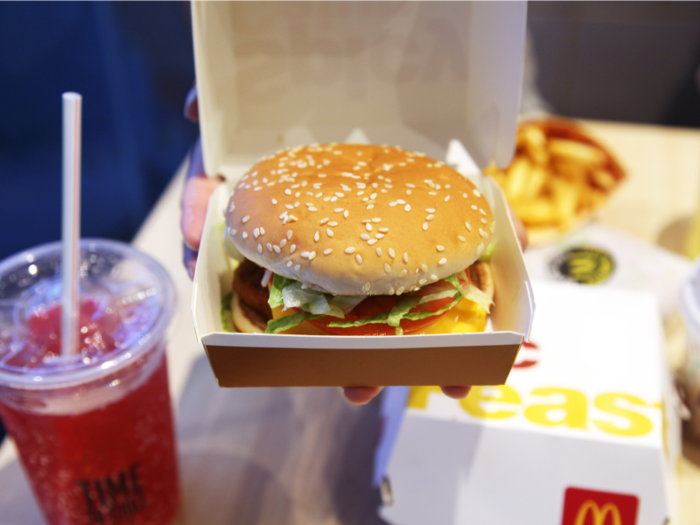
(241, 320)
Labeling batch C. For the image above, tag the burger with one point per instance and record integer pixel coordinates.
(348, 239)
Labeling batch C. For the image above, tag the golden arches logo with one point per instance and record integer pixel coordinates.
(599, 514)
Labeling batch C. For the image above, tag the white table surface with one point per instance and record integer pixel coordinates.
(247, 456)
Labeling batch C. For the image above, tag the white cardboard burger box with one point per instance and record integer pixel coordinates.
(422, 75)
(585, 432)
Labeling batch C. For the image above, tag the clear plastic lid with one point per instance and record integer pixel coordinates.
(127, 300)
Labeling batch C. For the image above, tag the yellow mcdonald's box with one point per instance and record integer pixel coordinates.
(585, 432)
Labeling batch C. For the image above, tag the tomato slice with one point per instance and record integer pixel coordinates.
(378, 304)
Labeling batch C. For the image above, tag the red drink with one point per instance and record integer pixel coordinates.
(95, 433)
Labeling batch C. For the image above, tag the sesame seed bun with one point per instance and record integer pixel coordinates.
(358, 220)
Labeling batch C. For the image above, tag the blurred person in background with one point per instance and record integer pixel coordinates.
(133, 64)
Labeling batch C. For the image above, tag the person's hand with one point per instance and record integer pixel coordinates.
(359, 395)
(195, 196)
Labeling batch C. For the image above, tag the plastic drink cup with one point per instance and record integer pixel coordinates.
(94, 430)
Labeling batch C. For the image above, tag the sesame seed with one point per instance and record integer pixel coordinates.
(430, 217)
(383, 230)
(463, 239)
(329, 232)
(392, 204)
(433, 278)
(410, 185)
(400, 290)
(260, 248)
(366, 287)
(234, 232)
(334, 198)
(269, 246)
(465, 195)
(379, 251)
(432, 193)
(289, 234)
(292, 248)
(245, 219)
(469, 226)
(360, 193)
(372, 241)
(317, 237)
(262, 230)
(440, 248)
(476, 193)
(370, 206)
(407, 207)
(297, 267)
(321, 175)
(480, 249)
(333, 224)
(289, 264)
(324, 221)
(274, 201)
(327, 251)
(289, 206)
(368, 226)
(319, 194)
(442, 261)
(349, 250)
(297, 196)
(475, 207)
(338, 210)
(256, 232)
(373, 196)
(482, 233)
(379, 236)
(287, 191)
(283, 215)
(422, 281)
(245, 235)
(312, 255)
(364, 237)
(447, 198)
(405, 257)
(392, 253)
(387, 267)
(346, 214)
(482, 211)
(276, 248)
(424, 267)
(484, 220)
(408, 192)
(425, 226)
(403, 273)
(305, 255)
(283, 243)
(401, 201)
(358, 258)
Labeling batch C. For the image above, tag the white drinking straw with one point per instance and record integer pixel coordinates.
(70, 245)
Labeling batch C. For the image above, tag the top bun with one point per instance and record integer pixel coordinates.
(358, 220)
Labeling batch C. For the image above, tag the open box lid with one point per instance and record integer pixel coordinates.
(278, 74)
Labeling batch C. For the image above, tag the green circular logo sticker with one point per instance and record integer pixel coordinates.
(584, 265)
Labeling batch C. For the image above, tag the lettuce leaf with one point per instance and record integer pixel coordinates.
(426, 313)
(226, 314)
(278, 284)
(289, 321)
(375, 319)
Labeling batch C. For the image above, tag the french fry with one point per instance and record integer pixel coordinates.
(535, 184)
(540, 211)
(576, 152)
(566, 198)
(603, 179)
(516, 178)
(535, 144)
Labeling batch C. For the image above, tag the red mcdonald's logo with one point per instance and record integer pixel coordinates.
(592, 507)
